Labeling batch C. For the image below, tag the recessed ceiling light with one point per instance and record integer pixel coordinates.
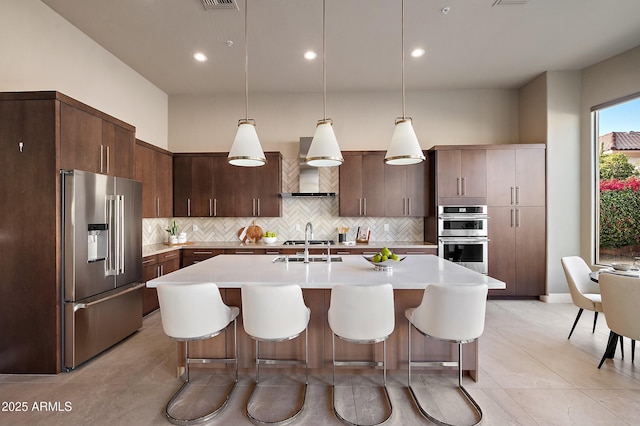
(199, 56)
(310, 55)
(416, 53)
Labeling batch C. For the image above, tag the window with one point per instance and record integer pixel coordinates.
(617, 171)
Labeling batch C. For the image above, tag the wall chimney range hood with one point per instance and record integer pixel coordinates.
(309, 176)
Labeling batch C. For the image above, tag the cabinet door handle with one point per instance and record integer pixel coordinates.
(343, 252)
(108, 154)
(169, 256)
(409, 206)
(464, 186)
(161, 270)
(157, 206)
(258, 207)
(364, 206)
(202, 252)
(253, 207)
(513, 217)
(158, 274)
(243, 252)
(210, 207)
(215, 207)
(101, 157)
(147, 261)
(517, 217)
(188, 206)
(458, 190)
(517, 195)
(359, 206)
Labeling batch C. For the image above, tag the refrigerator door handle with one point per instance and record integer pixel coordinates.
(112, 243)
(120, 225)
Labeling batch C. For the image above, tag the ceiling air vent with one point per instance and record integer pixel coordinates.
(508, 2)
(220, 4)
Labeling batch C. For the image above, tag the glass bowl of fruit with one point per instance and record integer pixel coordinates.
(269, 237)
(384, 260)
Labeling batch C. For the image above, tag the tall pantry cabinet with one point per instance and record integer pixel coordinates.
(516, 182)
(41, 133)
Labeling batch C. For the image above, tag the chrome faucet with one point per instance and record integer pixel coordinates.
(308, 234)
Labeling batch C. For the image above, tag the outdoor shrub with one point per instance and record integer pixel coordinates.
(619, 212)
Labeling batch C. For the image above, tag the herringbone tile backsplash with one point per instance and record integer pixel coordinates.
(296, 212)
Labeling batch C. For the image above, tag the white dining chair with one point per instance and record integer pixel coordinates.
(361, 314)
(275, 313)
(585, 294)
(192, 312)
(452, 313)
(621, 303)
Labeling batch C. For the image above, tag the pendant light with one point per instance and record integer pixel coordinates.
(246, 150)
(404, 147)
(324, 150)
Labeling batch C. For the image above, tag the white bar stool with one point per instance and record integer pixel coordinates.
(275, 313)
(453, 313)
(362, 315)
(192, 312)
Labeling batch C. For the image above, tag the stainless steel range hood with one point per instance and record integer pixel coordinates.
(309, 176)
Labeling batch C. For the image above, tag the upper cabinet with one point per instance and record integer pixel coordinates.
(362, 184)
(461, 175)
(154, 169)
(516, 177)
(95, 142)
(206, 185)
(369, 187)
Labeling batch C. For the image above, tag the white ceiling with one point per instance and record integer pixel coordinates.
(475, 45)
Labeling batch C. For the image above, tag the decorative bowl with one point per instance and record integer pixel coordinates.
(621, 266)
(387, 265)
(269, 240)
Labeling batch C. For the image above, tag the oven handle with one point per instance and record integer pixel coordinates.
(463, 240)
(468, 217)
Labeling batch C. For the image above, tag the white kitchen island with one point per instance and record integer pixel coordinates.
(409, 278)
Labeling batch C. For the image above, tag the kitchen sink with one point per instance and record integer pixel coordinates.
(300, 259)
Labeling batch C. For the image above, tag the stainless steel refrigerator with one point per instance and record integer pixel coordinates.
(101, 263)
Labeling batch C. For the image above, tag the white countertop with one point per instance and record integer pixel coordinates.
(414, 272)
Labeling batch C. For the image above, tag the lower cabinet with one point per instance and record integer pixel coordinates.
(154, 267)
(517, 250)
(191, 256)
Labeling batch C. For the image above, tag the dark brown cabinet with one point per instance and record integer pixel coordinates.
(404, 190)
(154, 169)
(191, 256)
(461, 175)
(206, 185)
(153, 267)
(517, 250)
(362, 184)
(516, 177)
(40, 133)
(516, 191)
(95, 142)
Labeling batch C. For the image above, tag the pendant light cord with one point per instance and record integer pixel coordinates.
(246, 63)
(403, 108)
(324, 66)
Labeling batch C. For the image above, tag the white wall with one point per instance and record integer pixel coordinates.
(42, 51)
(563, 174)
(361, 120)
(606, 81)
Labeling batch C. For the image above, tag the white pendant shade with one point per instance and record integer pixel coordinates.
(404, 147)
(246, 150)
(324, 150)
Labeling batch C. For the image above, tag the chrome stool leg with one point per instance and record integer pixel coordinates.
(175, 399)
(464, 391)
(268, 361)
(383, 364)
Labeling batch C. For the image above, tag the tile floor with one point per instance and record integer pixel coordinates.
(530, 375)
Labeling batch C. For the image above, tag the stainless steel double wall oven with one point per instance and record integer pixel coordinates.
(463, 237)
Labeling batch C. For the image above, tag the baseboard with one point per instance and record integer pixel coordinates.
(557, 298)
